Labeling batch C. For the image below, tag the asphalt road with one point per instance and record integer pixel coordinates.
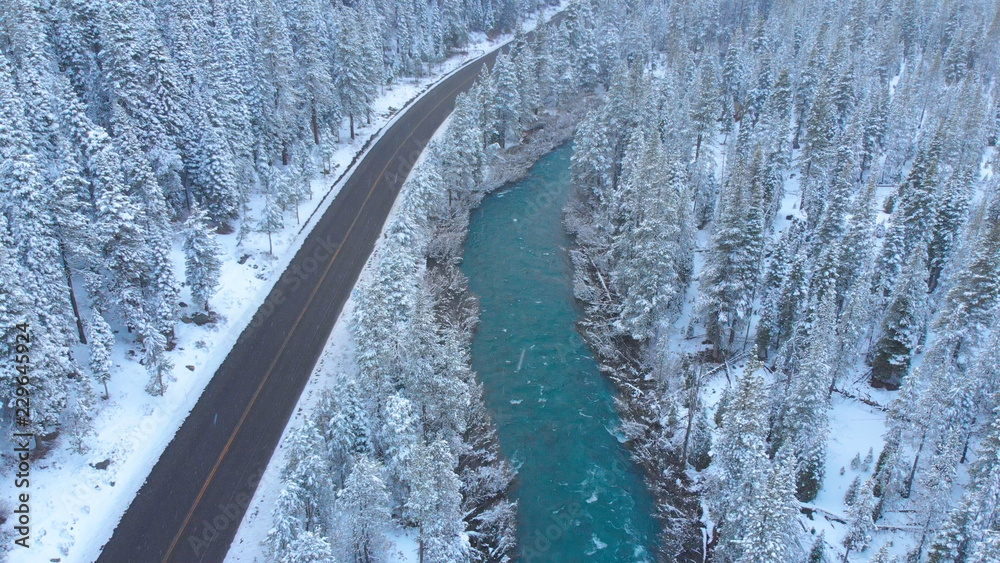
(191, 505)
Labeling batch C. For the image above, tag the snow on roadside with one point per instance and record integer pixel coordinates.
(77, 498)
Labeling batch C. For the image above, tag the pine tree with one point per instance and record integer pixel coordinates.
(705, 109)
(309, 547)
(739, 459)
(851, 496)
(913, 216)
(435, 504)
(273, 215)
(214, 177)
(902, 328)
(308, 467)
(461, 154)
(102, 342)
(402, 435)
(729, 280)
(354, 84)
(644, 249)
(970, 529)
(882, 556)
(346, 427)
(364, 508)
(818, 552)
(279, 96)
(860, 522)
(803, 425)
(975, 290)
(506, 104)
(288, 527)
(769, 530)
(202, 261)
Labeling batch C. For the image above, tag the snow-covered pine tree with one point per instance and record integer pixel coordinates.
(770, 528)
(903, 326)
(102, 341)
(860, 520)
(346, 427)
(646, 213)
(739, 461)
(202, 262)
(969, 531)
(272, 217)
(287, 519)
(364, 512)
(308, 467)
(352, 80)
(802, 426)
(435, 504)
(706, 108)
(506, 104)
(729, 280)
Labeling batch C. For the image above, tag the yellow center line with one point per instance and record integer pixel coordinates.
(225, 450)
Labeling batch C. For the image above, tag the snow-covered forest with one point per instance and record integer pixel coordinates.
(128, 126)
(806, 188)
(407, 440)
(801, 188)
(786, 212)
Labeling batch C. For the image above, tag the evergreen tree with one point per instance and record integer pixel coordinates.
(364, 507)
(729, 280)
(308, 467)
(346, 427)
(353, 81)
(803, 425)
(435, 504)
(740, 462)
(102, 342)
(645, 249)
(860, 520)
(202, 258)
(818, 552)
(288, 527)
(902, 328)
(770, 531)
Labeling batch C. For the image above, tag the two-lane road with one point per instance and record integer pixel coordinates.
(191, 504)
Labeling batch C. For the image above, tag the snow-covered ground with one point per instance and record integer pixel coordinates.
(855, 427)
(75, 506)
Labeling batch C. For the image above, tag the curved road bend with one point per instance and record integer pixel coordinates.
(193, 500)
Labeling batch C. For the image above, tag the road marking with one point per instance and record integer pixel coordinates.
(253, 399)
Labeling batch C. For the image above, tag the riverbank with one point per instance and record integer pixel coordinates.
(651, 434)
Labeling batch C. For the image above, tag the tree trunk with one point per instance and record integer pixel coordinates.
(687, 435)
(913, 469)
(315, 126)
(352, 126)
(72, 297)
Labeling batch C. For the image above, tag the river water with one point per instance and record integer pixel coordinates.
(580, 496)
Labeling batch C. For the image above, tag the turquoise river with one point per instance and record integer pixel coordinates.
(580, 496)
